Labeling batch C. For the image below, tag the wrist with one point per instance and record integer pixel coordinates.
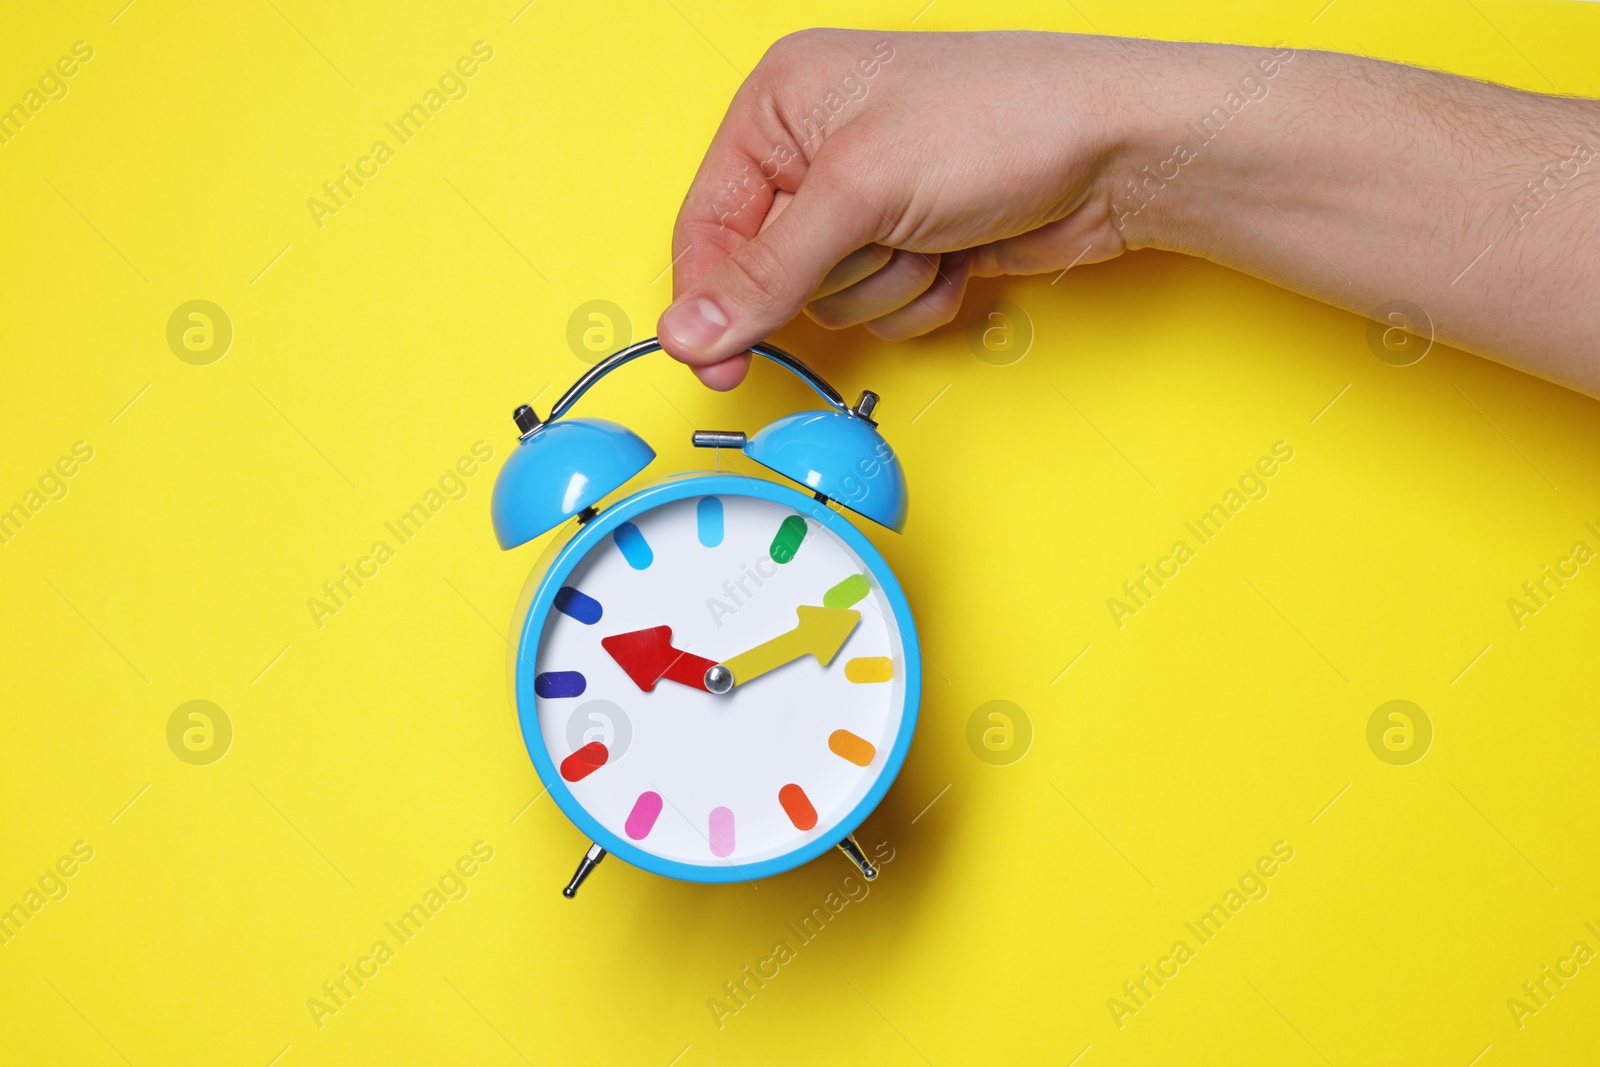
(1194, 115)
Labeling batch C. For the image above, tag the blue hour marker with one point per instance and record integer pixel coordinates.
(559, 684)
(709, 514)
(586, 609)
(635, 549)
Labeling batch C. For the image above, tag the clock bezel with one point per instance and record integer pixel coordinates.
(530, 624)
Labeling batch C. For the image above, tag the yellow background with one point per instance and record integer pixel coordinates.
(370, 753)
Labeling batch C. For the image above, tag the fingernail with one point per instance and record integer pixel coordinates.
(695, 323)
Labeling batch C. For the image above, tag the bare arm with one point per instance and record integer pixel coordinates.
(1361, 183)
(865, 177)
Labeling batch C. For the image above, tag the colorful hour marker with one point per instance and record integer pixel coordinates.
(846, 592)
(553, 684)
(586, 609)
(635, 549)
(787, 541)
(642, 819)
(585, 761)
(797, 806)
(864, 669)
(708, 514)
(722, 832)
(857, 750)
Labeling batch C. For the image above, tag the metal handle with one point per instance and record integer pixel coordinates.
(652, 344)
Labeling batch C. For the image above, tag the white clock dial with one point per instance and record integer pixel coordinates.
(683, 773)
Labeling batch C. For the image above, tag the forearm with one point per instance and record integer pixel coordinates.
(1360, 183)
(1363, 184)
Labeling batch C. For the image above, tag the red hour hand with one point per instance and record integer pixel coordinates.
(648, 656)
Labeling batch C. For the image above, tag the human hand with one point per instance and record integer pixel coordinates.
(864, 177)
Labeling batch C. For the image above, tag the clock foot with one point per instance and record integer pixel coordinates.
(852, 850)
(591, 860)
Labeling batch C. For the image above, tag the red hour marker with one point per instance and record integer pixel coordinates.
(585, 761)
(797, 806)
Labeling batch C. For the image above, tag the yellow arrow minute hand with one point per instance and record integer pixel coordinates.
(821, 633)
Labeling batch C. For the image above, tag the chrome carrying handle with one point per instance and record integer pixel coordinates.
(652, 344)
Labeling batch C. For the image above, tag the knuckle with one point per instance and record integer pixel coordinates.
(904, 327)
(943, 302)
(826, 315)
(922, 268)
(886, 330)
(798, 43)
(909, 274)
(842, 310)
(855, 177)
(942, 310)
(782, 55)
(847, 162)
(755, 274)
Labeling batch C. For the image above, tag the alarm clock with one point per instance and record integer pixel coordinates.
(716, 675)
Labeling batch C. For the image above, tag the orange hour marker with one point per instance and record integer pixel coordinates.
(864, 669)
(797, 806)
(857, 750)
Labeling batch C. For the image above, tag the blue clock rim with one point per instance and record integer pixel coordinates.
(588, 537)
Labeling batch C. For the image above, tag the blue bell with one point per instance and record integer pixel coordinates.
(557, 470)
(563, 466)
(841, 455)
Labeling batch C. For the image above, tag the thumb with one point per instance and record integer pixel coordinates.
(764, 283)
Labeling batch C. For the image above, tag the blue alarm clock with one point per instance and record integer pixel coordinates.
(717, 675)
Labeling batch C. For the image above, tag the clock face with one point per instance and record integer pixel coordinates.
(765, 594)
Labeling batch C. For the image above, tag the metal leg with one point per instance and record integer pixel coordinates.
(591, 860)
(849, 847)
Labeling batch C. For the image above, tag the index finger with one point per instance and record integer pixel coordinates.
(750, 158)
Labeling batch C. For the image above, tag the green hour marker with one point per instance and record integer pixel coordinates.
(787, 542)
(846, 592)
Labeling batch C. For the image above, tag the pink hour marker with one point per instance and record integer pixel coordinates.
(722, 832)
(642, 819)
